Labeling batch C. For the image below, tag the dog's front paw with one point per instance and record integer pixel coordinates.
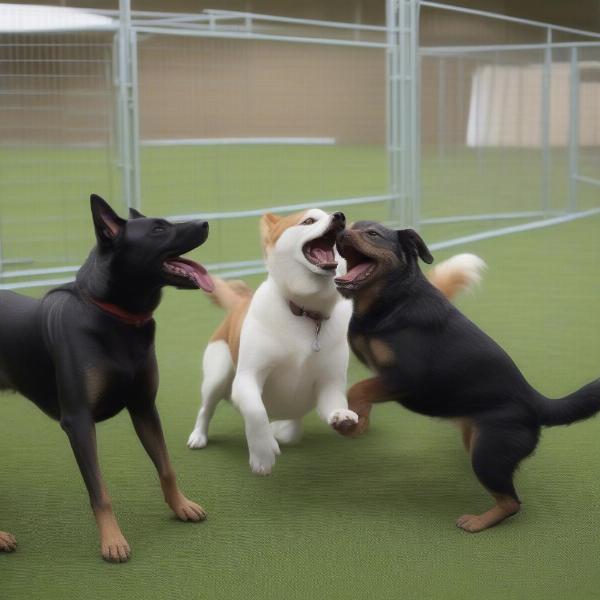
(115, 548)
(197, 439)
(344, 421)
(263, 455)
(8, 542)
(186, 510)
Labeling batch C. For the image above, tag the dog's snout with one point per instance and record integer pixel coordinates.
(202, 228)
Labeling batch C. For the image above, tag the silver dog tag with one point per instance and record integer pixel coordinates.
(315, 345)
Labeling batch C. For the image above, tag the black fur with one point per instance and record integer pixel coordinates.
(444, 365)
(81, 364)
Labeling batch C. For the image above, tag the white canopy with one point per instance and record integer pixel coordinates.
(31, 18)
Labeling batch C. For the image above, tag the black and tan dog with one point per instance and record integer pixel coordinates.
(86, 350)
(431, 359)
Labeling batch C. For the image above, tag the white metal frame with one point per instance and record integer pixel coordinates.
(400, 39)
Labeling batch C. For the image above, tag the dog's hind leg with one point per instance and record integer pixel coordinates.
(8, 542)
(496, 451)
(218, 371)
(287, 432)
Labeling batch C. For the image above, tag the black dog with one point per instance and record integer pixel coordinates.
(86, 350)
(431, 359)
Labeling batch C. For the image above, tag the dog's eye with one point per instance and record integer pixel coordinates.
(158, 229)
(372, 233)
(308, 221)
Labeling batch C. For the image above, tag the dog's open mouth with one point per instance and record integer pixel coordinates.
(320, 251)
(190, 272)
(359, 268)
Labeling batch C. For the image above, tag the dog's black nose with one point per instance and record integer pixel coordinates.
(339, 216)
(202, 229)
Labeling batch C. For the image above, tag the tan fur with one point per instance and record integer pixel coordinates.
(383, 355)
(450, 283)
(95, 384)
(8, 542)
(228, 294)
(361, 397)
(234, 296)
(505, 507)
(467, 428)
(230, 329)
(364, 300)
(359, 346)
(272, 227)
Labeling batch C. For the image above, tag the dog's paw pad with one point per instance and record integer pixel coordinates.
(197, 439)
(186, 510)
(8, 542)
(262, 460)
(116, 549)
(470, 523)
(343, 420)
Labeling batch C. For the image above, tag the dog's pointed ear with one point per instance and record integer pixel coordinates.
(267, 222)
(135, 214)
(107, 222)
(413, 244)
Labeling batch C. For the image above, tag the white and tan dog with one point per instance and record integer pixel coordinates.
(282, 351)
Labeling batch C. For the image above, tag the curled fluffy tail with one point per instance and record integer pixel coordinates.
(579, 405)
(228, 294)
(459, 273)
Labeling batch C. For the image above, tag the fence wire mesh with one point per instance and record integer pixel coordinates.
(56, 145)
(494, 124)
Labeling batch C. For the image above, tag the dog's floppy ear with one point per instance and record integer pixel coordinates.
(267, 222)
(107, 222)
(413, 244)
(135, 214)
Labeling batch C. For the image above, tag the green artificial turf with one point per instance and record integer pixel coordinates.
(367, 518)
(44, 211)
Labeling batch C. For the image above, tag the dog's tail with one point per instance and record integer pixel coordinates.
(459, 273)
(228, 294)
(580, 405)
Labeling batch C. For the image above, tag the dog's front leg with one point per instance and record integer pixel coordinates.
(246, 394)
(361, 397)
(80, 429)
(149, 430)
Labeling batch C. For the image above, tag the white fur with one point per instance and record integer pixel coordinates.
(217, 365)
(279, 376)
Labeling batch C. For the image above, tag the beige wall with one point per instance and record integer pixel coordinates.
(228, 88)
(225, 88)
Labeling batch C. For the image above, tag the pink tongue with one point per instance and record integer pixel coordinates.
(198, 274)
(322, 256)
(355, 272)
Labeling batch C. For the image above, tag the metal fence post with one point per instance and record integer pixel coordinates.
(392, 141)
(545, 122)
(402, 20)
(415, 112)
(441, 107)
(1, 259)
(573, 130)
(127, 107)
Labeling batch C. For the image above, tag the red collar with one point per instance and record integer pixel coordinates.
(300, 312)
(123, 315)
